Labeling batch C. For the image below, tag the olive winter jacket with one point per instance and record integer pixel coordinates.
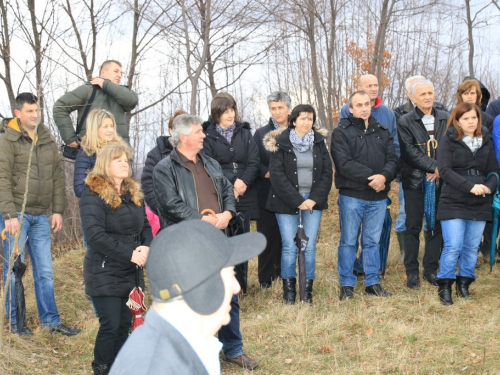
(46, 179)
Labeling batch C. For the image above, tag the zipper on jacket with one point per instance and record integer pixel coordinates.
(104, 261)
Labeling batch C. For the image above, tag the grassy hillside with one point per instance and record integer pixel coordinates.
(408, 333)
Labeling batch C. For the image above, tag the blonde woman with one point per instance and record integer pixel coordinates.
(101, 131)
(118, 236)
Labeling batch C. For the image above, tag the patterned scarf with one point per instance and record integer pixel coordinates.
(473, 143)
(275, 124)
(226, 133)
(302, 144)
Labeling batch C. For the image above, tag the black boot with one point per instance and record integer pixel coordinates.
(401, 241)
(463, 286)
(309, 289)
(444, 291)
(101, 369)
(289, 291)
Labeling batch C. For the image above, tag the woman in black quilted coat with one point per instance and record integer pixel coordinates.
(118, 237)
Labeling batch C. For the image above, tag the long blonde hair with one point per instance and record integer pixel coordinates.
(91, 144)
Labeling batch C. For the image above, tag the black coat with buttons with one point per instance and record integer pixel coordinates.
(358, 153)
(238, 159)
(284, 197)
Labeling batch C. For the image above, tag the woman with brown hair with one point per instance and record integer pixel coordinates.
(231, 143)
(469, 91)
(465, 157)
(118, 237)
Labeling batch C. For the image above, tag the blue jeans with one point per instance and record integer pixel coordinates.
(35, 233)
(230, 335)
(461, 241)
(400, 221)
(288, 229)
(354, 212)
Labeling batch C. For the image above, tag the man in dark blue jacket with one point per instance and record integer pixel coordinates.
(365, 165)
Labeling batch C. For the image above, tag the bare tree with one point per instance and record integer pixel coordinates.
(6, 32)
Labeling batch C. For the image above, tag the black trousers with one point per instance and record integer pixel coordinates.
(269, 267)
(115, 320)
(414, 207)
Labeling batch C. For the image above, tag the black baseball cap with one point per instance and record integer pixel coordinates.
(185, 260)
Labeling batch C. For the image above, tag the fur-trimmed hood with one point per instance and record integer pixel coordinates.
(271, 138)
(108, 193)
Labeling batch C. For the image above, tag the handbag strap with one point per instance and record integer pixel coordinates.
(87, 109)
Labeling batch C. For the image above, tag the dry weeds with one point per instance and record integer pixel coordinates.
(408, 333)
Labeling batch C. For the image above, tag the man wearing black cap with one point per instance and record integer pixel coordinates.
(192, 282)
(184, 184)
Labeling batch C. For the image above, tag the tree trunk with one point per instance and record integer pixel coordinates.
(314, 63)
(471, 39)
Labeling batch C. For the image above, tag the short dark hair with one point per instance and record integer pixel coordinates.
(220, 104)
(360, 92)
(296, 113)
(107, 62)
(25, 98)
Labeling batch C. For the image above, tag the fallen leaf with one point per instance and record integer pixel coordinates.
(369, 331)
(288, 361)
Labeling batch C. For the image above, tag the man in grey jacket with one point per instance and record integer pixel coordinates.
(110, 95)
(191, 275)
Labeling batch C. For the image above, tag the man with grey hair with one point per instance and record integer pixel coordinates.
(186, 183)
(400, 227)
(269, 268)
(408, 106)
(415, 129)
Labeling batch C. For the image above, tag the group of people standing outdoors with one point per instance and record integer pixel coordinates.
(218, 171)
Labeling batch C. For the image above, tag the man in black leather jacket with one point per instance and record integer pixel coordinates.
(414, 130)
(185, 183)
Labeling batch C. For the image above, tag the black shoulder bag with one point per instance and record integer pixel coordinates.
(72, 152)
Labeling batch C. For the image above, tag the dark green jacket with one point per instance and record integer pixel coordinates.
(114, 98)
(46, 183)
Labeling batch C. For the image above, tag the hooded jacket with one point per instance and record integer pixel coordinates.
(162, 149)
(114, 98)
(460, 170)
(238, 159)
(284, 197)
(114, 226)
(46, 179)
(175, 192)
(358, 153)
(413, 139)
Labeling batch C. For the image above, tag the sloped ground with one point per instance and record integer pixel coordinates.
(408, 333)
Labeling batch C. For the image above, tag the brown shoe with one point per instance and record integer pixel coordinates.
(243, 361)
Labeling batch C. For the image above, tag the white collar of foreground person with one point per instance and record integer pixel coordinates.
(197, 329)
(190, 267)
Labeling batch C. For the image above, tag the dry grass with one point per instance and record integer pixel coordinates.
(408, 333)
